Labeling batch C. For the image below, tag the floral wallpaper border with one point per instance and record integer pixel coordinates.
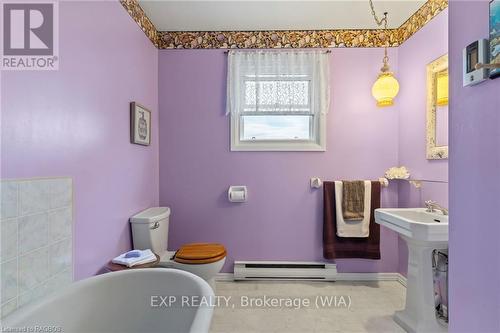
(277, 39)
(284, 39)
(421, 17)
(139, 16)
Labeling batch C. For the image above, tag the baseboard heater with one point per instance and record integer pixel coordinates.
(284, 270)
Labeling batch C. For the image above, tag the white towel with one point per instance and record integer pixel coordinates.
(353, 228)
(145, 257)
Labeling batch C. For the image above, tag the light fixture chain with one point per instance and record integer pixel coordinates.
(385, 60)
(377, 20)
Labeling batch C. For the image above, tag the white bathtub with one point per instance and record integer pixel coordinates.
(126, 301)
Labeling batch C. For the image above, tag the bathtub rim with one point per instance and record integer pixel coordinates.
(200, 323)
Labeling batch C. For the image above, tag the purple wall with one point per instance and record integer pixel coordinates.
(75, 122)
(428, 44)
(282, 219)
(474, 182)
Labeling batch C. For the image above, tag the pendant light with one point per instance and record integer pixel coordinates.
(386, 88)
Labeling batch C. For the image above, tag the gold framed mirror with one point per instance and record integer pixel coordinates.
(437, 109)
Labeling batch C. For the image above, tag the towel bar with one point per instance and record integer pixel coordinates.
(316, 182)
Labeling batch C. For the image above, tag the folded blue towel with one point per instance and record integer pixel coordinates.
(129, 260)
(132, 254)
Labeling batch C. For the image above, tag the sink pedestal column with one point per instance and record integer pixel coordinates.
(419, 314)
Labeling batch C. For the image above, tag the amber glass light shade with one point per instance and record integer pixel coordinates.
(385, 89)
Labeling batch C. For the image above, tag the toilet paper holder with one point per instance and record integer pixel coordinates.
(237, 193)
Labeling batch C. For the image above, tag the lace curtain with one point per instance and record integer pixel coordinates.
(278, 82)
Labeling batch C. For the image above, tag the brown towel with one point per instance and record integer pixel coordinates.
(353, 200)
(335, 247)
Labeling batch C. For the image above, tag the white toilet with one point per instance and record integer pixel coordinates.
(150, 231)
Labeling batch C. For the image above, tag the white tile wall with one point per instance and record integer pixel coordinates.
(36, 232)
(34, 196)
(33, 232)
(8, 233)
(9, 198)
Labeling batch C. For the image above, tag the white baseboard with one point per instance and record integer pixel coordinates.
(402, 280)
(342, 277)
(225, 277)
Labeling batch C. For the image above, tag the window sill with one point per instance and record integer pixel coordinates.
(277, 146)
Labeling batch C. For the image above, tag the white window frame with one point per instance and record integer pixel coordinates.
(316, 143)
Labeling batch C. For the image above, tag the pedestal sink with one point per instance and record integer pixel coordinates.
(423, 232)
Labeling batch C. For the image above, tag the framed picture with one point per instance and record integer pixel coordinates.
(494, 37)
(140, 124)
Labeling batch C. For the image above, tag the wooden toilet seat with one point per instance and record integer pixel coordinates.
(200, 253)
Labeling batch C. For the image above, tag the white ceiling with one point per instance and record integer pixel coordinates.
(207, 15)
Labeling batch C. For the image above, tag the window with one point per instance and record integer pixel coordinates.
(278, 100)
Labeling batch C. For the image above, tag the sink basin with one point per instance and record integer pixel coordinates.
(415, 223)
(423, 232)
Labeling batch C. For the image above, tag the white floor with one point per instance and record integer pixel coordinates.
(371, 307)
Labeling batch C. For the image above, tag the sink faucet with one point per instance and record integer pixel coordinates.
(433, 206)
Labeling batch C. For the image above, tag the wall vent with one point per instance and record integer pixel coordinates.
(284, 270)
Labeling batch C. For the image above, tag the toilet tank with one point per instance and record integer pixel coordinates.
(150, 229)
